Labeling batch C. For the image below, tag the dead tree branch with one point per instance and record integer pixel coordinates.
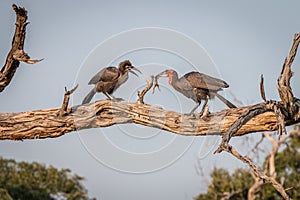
(262, 88)
(64, 106)
(143, 92)
(16, 54)
(284, 88)
(103, 113)
(289, 107)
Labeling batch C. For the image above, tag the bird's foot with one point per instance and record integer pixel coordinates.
(117, 99)
(192, 114)
(204, 112)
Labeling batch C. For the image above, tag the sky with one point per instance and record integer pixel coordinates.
(232, 40)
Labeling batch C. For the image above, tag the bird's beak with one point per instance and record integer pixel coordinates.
(163, 74)
(135, 69)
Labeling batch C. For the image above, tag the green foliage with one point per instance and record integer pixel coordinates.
(287, 164)
(21, 180)
(4, 195)
(223, 182)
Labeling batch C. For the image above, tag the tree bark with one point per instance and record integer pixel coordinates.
(50, 123)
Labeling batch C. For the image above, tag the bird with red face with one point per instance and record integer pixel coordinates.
(197, 86)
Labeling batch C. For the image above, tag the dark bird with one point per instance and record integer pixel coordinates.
(197, 86)
(109, 79)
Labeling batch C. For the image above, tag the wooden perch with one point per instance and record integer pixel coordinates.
(46, 124)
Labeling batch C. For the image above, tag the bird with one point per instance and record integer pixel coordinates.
(197, 86)
(109, 79)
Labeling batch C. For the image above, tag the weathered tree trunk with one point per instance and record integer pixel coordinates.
(49, 123)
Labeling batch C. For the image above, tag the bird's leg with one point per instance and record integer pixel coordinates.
(204, 110)
(108, 97)
(116, 99)
(193, 110)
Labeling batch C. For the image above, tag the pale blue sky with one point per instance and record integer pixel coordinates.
(242, 39)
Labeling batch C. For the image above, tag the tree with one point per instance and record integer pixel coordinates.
(226, 186)
(270, 115)
(22, 180)
(238, 184)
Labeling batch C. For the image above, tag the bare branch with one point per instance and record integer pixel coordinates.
(20, 55)
(16, 53)
(64, 107)
(142, 93)
(253, 111)
(242, 120)
(284, 88)
(156, 85)
(254, 188)
(262, 88)
(45, 123)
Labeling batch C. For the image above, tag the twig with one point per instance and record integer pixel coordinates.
(277, 108)
(142, 93)
(256, 146)
(64, 106)
(262, 88)
(156, 85)
(20, 55)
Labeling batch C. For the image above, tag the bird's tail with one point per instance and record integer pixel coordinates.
(228, 103)
(89, 96)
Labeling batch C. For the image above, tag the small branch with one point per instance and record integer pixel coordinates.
(277, 108)
(272, 153)
(256, 146)
(243, 119)
(284, 88)
(64, 106)
(20, 55)
(16, 54)
(156, 85)
(262, 88)
(142, 93)
(254, 188)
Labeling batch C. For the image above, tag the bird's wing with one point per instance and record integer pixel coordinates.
(106, 74)
(203, 81)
